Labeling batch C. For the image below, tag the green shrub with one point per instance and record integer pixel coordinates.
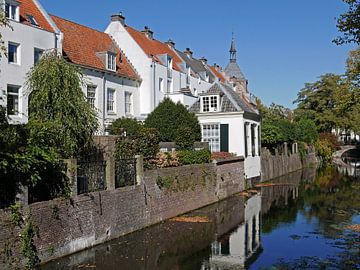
(306, 131)
(188, 157)
(131, 126)
(185, 138)
(168, 117)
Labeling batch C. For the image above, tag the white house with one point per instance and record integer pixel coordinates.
(33, 32)
(163, 71)
(230, 122)
(111, 81)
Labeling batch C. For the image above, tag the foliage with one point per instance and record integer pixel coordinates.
(348, 23)
(28, 249)
(302, 151)
(16, 217)
(165, 182)
(185, 138)
(188, 157)
(57, 101)
(4, 22)
(306, 131)
(131, 126)
(221, 155)
(271, 134)
(325, 146)
(146, 144)
(167, 159)
(168, 117)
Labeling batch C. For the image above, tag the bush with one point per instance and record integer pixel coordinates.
(168, 117)
(185, 138)
(324, 150)
(306, 131)
(187, 157)
(167, 159)
(132, 127)
(331, 138)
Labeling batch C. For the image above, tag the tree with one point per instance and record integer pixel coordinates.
(349, 24)
(168, 117)
(58, 103)
(322, 102)
(4, 22)
(131, 126)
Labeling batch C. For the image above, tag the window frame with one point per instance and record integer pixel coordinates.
(128, 102)
(11, 10)
(111, 61)
(40, 52)
(91, 100)
(17, 53)
(16, 101)
(210, 133)
(110, 103)
(208, 102)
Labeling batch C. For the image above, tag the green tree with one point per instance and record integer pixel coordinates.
(168, 117)
(58, 103)
(349, 24)
(306, 131)
(4, 22)
(131, 126)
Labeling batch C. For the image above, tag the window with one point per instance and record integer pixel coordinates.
(32, 20)
(13, 53)
(210, 103)
(110, 100)
(13, 100)
(91, 95)
(169, 62)
(111, 61)
(161, 84)
(37, 55)
(169, 86)
(246, 139)
(253, 138)
(211, 134)
(11, 10)
(128, 103)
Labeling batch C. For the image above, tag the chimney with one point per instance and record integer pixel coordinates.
(203, 60)
(170, 43)
(118, 18)
(188, 52)
(147, 31)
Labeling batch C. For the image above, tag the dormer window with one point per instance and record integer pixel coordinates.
(12, 10)
(210, 103)
(32, 20)
(111, 61)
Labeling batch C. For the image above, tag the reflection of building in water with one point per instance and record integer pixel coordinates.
(234, 249)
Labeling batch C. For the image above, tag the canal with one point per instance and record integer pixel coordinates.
(305, 220)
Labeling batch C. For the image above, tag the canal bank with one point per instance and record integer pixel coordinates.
(66, 226)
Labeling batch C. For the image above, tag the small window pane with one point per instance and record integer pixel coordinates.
(90, 95)
(128, 103)
(110, 99)
(210, 134)
(13, 53)
(13, 100)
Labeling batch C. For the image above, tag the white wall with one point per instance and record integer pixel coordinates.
(29, 38)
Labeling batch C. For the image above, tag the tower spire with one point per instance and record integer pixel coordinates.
(232, 49)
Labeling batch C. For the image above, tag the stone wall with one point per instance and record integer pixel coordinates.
(273, 166)
(69, 225)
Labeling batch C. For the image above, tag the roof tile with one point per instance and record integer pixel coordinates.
(28, 7)
(81, 45)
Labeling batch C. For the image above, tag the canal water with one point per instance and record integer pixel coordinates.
(305, 220)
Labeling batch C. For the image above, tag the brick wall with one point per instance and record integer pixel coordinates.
(69, 225)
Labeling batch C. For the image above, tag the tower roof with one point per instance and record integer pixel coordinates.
(233, 70)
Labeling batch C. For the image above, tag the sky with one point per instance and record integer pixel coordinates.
(281, 44)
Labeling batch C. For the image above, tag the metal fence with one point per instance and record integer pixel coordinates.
(91, 173)
(125, 172)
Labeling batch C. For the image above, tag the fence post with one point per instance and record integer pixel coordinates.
(285, 148)
(23, 196)
(293, 151)
(139, 169)
(71, 173)
(110, 173)
(296, 147)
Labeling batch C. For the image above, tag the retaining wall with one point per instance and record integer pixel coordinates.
(69, 225)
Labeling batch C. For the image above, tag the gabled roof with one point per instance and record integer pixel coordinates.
(82, 45)
(233, 71)
(154, 47)
(231, 101)
(196, 66)
(29, 7)
(218, 74)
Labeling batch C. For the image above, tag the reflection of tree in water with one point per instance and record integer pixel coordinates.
(332, 199)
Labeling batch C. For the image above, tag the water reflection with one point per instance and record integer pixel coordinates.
(235, 248)
(352, 159)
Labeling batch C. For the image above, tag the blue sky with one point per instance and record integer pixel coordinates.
(281, 44)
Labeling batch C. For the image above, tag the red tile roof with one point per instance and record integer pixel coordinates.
(81, 45)
(217, 73)
(154, 47)
(28, 7)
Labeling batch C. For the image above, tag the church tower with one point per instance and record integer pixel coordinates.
(233, 71)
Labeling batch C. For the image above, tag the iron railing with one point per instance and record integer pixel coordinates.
(125, 172)
(91, 174)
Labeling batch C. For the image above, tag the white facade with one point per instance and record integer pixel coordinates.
(159, 79)
(109, 107)
(26, 39)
